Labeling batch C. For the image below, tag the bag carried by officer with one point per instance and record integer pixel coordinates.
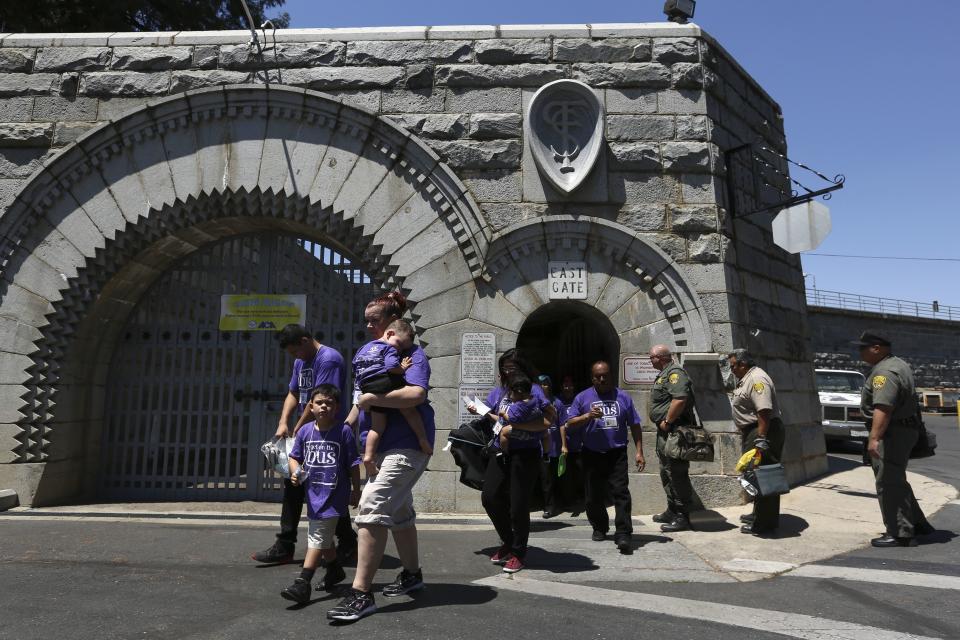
(692, 443)
(926, 444)
(765, 480)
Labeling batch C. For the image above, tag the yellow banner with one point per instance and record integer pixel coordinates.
(261, 311)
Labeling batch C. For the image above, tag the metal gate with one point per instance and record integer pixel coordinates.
(188, 406)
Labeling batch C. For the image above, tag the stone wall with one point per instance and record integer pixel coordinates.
(673, 99)
(932, 347)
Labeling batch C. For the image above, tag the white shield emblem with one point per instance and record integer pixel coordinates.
(564, 128)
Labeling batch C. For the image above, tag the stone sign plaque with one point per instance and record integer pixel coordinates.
(568, 280)
(470, 391)
(638, 370)
(564, 128)
(478, 359)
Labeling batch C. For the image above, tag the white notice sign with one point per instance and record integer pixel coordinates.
(568, 280)
(478, 359)
(639, 370)
(470, 391)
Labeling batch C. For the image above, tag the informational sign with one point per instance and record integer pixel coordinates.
(639, 370)
(478, 359)
(470, 391)
(261, 311)
(568, 280)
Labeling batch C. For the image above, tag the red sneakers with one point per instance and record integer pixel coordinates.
(501, 556)
(513, 565)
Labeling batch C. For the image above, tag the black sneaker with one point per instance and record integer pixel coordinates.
(354, 606)
(405, 583)
(278, 553)
(624, 542)
(333, 576)
(598, 536)
(299, 591)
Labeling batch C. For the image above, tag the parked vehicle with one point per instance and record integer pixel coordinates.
(839, 393)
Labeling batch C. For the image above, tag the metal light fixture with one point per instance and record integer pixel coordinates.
(679, 11)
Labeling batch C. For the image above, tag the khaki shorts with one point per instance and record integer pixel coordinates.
(387, 498)
(320, 533)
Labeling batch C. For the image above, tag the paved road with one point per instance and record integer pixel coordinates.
(96, 579)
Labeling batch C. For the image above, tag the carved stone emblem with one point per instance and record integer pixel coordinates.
(564, 128)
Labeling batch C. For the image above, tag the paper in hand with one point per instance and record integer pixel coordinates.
(478, 404)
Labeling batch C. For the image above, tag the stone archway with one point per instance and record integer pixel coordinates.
(633, 283)
(89, 232)
(564, 337)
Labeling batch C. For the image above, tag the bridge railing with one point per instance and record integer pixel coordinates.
(857, 302)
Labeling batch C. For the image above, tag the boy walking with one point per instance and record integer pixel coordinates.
(324, 455)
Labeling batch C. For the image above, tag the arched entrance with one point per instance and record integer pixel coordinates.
(565, 337)
(189, 404)
(86, 238)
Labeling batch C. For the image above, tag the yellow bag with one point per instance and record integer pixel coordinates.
(749, 459)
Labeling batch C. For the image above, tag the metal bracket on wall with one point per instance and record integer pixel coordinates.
(755, 170)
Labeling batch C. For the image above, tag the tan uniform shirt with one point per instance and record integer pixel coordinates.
(754, 393)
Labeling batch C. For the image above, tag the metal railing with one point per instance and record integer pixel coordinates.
(872, 304)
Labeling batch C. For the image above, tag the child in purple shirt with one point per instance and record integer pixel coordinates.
(379, 369)
(523, 407)
(324, 453)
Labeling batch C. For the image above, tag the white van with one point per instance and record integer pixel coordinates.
(839, 393)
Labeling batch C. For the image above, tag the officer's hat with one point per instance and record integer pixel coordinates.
(869, 338)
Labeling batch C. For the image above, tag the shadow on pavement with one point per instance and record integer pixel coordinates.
(708, 520)
(555, 562)
(939, 536)
(790, 527)
(548, 526)
(442, 594)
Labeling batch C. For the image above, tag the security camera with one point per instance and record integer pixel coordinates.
(679, 11)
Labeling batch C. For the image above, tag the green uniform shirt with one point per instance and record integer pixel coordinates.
(673, 382)
(891, 383)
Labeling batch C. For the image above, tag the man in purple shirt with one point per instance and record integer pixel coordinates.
(602, 414)
(314, 364)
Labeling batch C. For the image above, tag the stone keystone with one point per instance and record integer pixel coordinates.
(564, 128)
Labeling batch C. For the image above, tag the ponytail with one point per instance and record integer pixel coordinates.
(392, 304)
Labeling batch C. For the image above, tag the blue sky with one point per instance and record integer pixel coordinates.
(868, 89)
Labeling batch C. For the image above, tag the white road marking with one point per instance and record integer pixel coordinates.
(794, 625)
(757, 566)
(884, 576)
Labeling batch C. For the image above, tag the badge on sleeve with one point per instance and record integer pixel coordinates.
(879, 381)
(674, 377)
(758, 387)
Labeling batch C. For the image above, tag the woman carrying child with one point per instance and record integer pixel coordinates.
(512, 473)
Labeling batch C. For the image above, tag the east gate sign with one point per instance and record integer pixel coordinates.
(568, 280)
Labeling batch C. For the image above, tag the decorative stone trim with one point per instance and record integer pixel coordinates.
(663, 281)
(77, 169)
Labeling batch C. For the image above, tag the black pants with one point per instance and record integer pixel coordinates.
(506, 496)
(550, 484)
(572, 483)
(605, 475)
(766, 511)
(293, 497)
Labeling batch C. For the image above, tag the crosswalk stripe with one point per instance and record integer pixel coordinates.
(885, 576)
(794, 625)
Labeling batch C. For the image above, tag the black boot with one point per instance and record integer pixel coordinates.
(680, 523)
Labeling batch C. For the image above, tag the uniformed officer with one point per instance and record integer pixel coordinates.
(890, 409)
(671, 405)
(757, 415)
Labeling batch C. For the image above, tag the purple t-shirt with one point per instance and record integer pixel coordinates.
(398, 434)
(374, 359)
(555, 428)
(610, 430)
(574, 436)
(499, 400)
(325, 368)
(327, 457)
